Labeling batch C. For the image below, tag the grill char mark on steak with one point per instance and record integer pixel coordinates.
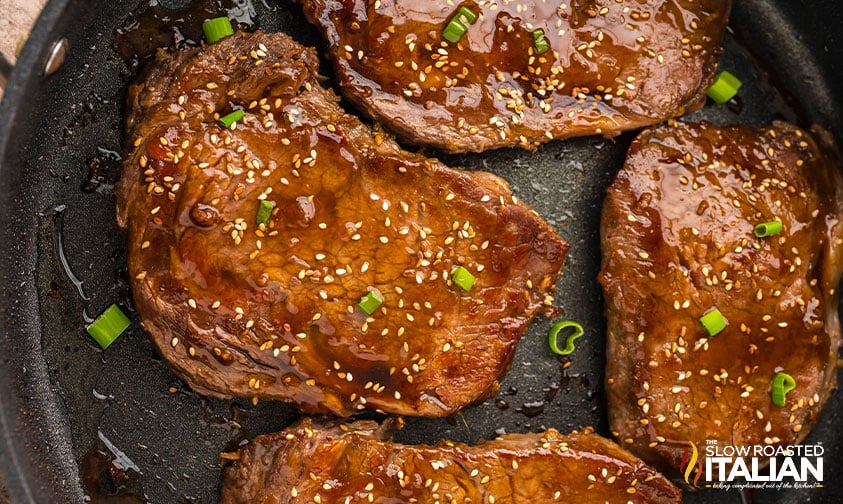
(239, 310)
(359, 460)
(612, 67)
(677, 238)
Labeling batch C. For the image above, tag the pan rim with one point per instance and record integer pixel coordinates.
(19, 465)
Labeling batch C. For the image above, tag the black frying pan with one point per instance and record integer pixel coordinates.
(116, 426)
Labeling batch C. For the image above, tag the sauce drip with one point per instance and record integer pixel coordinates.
(103, 171)
(107, 482)
(58, 219)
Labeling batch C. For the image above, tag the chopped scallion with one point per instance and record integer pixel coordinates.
(370, 302)
(553, 336)
(540, 41)
(454, 31)
(217, 29)
(725, 87)
(108, 326)
(782, 384)
(714, 321)
(463, 278)
(458, 25)
(264, 212)
(466, 16)
(768, 228)
(229, 119)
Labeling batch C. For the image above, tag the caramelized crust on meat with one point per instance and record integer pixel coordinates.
(358, 463)
(271, 311)
(612, 66)
(678, 239)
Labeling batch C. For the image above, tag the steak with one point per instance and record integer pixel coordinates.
(269, 309)
(678, 240)
(358, 463)
(610, 67)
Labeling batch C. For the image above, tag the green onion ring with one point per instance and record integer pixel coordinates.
(782, 384)
(569, 343)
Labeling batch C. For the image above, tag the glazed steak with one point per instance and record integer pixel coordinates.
(611, 66)
(678, 240)
(358, 463)
(270, 310)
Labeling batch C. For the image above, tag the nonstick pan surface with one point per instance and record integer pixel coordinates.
(80, 424)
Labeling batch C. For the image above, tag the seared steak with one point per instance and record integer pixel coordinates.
(678, 240)
(611, 66)
(270, 310)
(358, 463)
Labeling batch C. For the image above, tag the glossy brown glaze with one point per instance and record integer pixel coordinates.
(239, 309)
(614, 65)
(678, 239)
(332, 463)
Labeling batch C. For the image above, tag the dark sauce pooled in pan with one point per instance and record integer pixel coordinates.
(106, 481)
(175, 23)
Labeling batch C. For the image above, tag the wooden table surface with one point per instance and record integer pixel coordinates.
(16, 19)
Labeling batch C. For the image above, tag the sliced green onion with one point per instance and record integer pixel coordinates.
(553, 336)
(768, 228)
(229, 119)
(725, 87)
(782, 384)
(458, 25)
(463, 278)
(541, 43)
(454, 31)
(217, 29)
(264, 212)
(465, 16)
(714, 321)
(370, 302)
(108, 326)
